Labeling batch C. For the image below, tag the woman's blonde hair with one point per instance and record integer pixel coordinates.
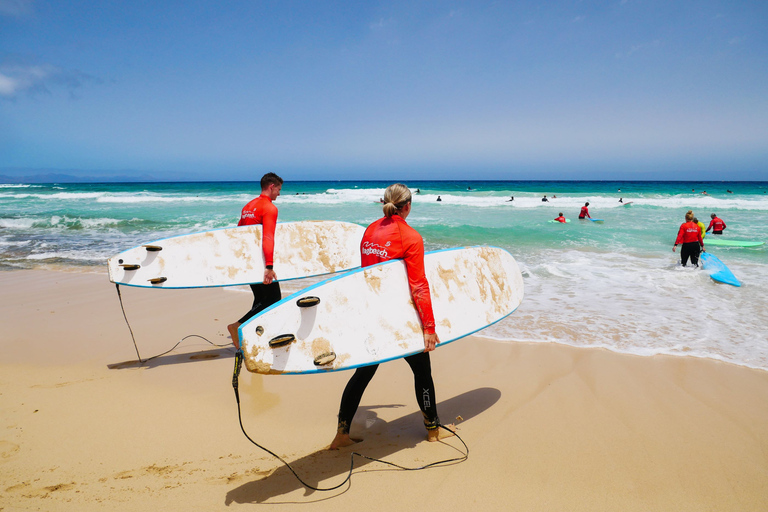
(396, 197)
(689, 215)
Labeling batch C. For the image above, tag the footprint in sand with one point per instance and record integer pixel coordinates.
(8, 449)
(204, 356)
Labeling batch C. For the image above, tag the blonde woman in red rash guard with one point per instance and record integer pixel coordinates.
(262, 211)
(389, 238)
(689, 235)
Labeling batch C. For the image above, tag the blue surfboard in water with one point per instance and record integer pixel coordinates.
(718, 271)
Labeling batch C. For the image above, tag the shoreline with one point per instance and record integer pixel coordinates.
(292, 286)
(549, 426)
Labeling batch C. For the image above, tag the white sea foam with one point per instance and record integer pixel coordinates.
(158, 198)
(93, 256)
(127, 198)
(640, 306)
(15, 243)
(21, 223)
(564, 201)
(59, 222)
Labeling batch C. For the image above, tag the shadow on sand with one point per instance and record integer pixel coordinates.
(325, 468)
(165, 360)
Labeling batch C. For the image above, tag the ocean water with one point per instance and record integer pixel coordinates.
(616, 284)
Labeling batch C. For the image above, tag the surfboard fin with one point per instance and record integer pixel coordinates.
(325, 358)
(152, 248)
(281, 340)
(308, 302)
(128, 266)
(158, 280)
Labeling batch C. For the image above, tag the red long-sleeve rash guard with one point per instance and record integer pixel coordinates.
(390, 238)
(689, 232)
(262, 211)
(716, 224)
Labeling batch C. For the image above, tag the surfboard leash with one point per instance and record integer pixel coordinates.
(133, 338)
(122, 308)
(239, 356)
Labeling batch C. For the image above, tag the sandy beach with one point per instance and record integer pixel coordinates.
(549, 427)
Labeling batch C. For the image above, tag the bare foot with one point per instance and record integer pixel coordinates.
(232, 328)
(438, 434)
(342, 440)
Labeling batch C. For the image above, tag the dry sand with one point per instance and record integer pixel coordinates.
(549, 427)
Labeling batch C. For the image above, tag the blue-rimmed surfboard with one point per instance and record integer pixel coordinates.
(233, 256)
(367, 316)
(717, 269)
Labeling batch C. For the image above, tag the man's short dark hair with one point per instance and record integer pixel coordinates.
(270, 179)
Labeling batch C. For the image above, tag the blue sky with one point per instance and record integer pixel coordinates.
(629, 89)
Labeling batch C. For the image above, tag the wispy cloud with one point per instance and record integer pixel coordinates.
(639, 47)
(380, 24)
(39, 79)
(15, 7)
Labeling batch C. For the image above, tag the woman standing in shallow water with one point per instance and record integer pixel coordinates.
(390, 238)
(689, 235)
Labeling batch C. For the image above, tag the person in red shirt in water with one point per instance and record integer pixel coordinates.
(690, 236)
(389, 238)
(716, 225)
(262, 211)
(584, 211)
(560, 218)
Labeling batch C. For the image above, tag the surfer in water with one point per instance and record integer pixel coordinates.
(390, 238)
(717, 225)
(584, 211)
(701, 227)
(262, 211)
(560, 218)
(689, 235)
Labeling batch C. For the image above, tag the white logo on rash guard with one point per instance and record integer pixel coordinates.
(371, 248)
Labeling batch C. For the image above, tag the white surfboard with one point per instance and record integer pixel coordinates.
(233, 256)
(367, 316)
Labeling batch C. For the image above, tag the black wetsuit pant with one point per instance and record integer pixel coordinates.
(422, 380)
(264, 295)
(690, 250)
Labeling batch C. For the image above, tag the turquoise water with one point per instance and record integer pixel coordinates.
(614, 284)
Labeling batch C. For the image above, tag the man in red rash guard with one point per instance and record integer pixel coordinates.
(689, 235)
(560, 218)
(262, 211)
(584, 211)
(716, 225)
(389, 238)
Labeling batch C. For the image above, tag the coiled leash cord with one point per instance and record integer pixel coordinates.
(235, 378)
(142, 361)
